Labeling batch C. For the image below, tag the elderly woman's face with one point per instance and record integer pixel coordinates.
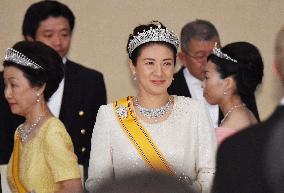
(154, 69)
(18, 91)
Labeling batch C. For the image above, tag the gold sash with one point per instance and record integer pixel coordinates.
(139, 136)
(15, 167)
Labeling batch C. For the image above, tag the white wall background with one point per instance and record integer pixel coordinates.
(102, 28)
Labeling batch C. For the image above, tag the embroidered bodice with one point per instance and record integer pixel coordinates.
(186, 139)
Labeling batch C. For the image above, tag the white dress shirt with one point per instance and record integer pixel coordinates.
(55, 100)
(282, 101)
(196, 91)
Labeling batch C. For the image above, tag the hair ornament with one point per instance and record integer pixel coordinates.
(17, 57)
(217, 52)
(153, 35)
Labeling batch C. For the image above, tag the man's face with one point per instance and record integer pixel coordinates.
(56, 33)
(195, 58)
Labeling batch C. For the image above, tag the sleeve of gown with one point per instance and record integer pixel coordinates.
(100, 163)
(205, 162)
(60, 154)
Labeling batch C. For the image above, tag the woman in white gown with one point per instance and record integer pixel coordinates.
(153, 131)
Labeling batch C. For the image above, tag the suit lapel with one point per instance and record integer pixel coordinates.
(179, 86)
(67, 97)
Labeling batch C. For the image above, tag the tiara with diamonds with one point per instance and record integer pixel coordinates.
(153, 35)
(217, 52)
(17, 57)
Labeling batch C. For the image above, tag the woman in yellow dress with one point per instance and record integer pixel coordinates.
(43, 159)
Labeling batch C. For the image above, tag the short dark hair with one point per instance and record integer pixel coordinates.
(40, 11)
(200, 30)
(139, 29)
(51, 73)
(247, 71)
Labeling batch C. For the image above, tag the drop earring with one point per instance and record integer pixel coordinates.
(37, 97)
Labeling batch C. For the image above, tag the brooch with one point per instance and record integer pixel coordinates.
(121, 111)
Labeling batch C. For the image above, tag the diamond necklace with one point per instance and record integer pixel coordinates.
(24, 133)
(153, 113)
(230, 111)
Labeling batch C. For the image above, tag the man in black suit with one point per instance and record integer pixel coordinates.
(81, 92)
(197, 41)
(252, 161)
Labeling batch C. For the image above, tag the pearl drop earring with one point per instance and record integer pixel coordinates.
(37, 98)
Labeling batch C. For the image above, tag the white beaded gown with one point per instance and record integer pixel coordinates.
(186, 139)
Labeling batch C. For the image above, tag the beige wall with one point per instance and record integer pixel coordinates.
(102, 29)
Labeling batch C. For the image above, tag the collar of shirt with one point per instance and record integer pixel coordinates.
(190, 78)
(55, 100)
(64, 60)
(282, 101)
(196, 91)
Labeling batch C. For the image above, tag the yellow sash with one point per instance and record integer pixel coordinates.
(139, 136)
(15, 167)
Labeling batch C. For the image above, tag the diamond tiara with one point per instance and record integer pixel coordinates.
(153, 35)
(217, 52)
(17, 57)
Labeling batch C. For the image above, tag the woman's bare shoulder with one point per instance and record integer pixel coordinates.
(240, 119)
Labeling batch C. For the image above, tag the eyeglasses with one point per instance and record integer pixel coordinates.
(198, 57)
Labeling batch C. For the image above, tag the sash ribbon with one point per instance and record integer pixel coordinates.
(140, 137)
(15, 167)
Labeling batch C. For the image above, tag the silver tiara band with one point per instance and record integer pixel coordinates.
(153, 35)
(217, 52)
(17, 57)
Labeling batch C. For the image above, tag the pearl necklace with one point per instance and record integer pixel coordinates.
(230, 111)
(25, 132)
(153, 113)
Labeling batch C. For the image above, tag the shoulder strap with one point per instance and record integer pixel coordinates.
(140, 137)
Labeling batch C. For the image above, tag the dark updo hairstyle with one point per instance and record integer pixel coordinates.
(137, 51)
(247, 71)
(51, 72)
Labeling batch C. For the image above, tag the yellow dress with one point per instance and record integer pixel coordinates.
(45, 159)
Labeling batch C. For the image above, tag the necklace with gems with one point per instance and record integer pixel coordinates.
(230, 111)
(25, 132)
(153, 113)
